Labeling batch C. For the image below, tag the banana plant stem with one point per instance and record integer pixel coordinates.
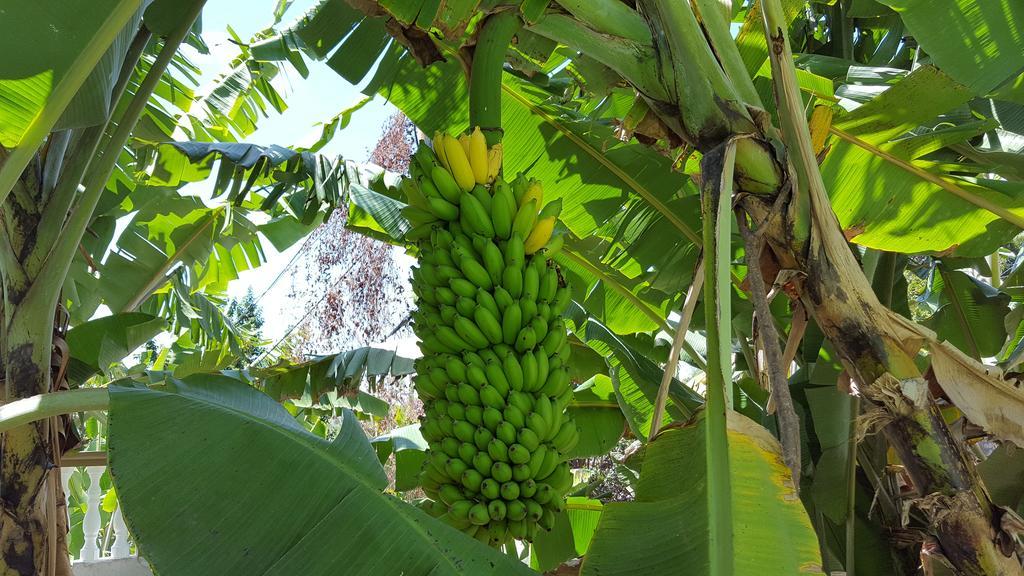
(40, 406)
(485, 73)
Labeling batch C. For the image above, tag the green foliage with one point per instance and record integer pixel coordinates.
(924, 159)
(219, 420)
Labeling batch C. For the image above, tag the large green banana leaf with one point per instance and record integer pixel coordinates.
(883, 203)
(665, 530)
(67, 60)
(262, 495)
(978, 42)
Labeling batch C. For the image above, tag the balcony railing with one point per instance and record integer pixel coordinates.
(106, 547)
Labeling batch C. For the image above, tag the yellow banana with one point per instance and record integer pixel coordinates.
(494, 162)
(534, 191)
(464, 142)
(821, 121)
(458, 163)
(478, 156)
(540, 234)
(439, 150)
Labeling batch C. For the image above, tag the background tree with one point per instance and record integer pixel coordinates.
(247, 316)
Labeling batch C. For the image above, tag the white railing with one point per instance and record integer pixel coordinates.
(106, 535)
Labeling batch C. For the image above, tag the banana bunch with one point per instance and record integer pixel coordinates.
(493, 377)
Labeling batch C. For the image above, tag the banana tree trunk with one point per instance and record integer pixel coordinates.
(949, 491)
(33, 528)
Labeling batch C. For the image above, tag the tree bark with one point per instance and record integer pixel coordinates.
(31, 501)
(841, 301)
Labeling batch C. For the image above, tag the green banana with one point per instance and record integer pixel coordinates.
(538, 425)
(475, 373)
(525, 218)
(457, 411)
(449, 338)
(445, 296)
(464, 432)
(498, 452)
(545, 410)
(445, 184)
(488, 324)
(529, 308)
(465, 306)
(515, 252)
(540, 328)
(462, 287)
(469, 332)
(566, 439)
(489, 397)
(471, 479)
(475, 273)
(513, 372)
(428, 189)
(506, 433)
(502, 472)
(481, 437)
(502, 298)
(516, 512)
(514, 416)
(543, 366)
(494, 263)
(468, 395)
(556, 382)
(496, 377)
(537, 457)
(482, 463)
(548, 285)
(521, 400)
(526, 340)
(442, 208)
(478, 515)
(485, 300)
(509, 490)
(484, 198)
(512, 280)
(529, 364)
(531, 283)
(476, 216)
(503, 210)
(496, 510)
(490, 489)
(554, 339)
(475, 415)
(517, 454)
(492, 416)
(521, 473)
(511, 323)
